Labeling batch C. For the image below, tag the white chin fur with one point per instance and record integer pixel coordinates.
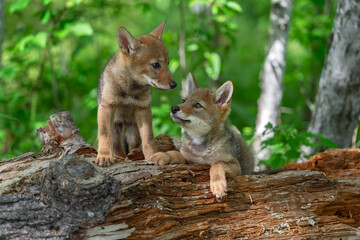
(179, 118)
(155, 84)
(197, 129)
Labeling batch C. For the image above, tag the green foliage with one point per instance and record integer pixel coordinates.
(162, 122)
(54, 52)
(18, 5)
(285, 146)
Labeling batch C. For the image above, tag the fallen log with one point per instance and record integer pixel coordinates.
(173, 202)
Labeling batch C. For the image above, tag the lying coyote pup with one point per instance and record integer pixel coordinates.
(206, 138)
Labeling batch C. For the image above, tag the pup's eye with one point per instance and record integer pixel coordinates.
(156, 65)
(197, 105)
(183, 100)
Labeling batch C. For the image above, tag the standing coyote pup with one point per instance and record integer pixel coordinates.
(124, 94)
(206, 138)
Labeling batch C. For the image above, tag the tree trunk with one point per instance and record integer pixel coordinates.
(68, 197)
(272, 73)
(337, 107)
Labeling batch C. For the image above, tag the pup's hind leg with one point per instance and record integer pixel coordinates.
(143, 118)
(218, 173)
(132, 137)
(118, 140)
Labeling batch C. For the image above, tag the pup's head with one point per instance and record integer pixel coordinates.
(202, 109)
(147, 58)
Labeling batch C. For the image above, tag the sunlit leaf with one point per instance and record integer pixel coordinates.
(192, 47)
(221, 18)
(62, 33)
(80, 29)
(213, 65)
(215, 10)
(173, 65)
(45, 17)
(234, 6)
(21, 45)
(40, 39)
(72, 3)
(18, 5)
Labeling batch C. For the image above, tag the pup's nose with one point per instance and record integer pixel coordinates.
(175, 109)
(173, 84)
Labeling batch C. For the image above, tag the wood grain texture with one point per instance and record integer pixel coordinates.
(177, 203)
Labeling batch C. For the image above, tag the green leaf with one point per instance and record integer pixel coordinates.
(40, 39)
(327, 142)
(2, 115)
(18, 5)
(21, 45)
(213, 65)
(72, 3)
(80, 29)
(45, 17)
(173, 65)
(192, 47)
(62, 33)
(215, 10)
(8, 71)
(234, 6)
(46, 2)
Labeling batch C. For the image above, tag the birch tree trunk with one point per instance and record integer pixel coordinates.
(337, 105)
(272, 73)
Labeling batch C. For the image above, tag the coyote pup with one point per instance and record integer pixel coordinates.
(124, 94)
(205, 137)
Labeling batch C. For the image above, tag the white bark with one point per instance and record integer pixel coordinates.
(337, 106)
(272, 73)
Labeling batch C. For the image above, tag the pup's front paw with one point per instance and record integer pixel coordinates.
(104, 160)
(218, 187)
(160, 158)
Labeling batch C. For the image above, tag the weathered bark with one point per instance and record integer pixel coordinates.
(49, 198)
(72, 193)
(337, 107)
(272, 73)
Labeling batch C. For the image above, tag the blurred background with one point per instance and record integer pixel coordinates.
(54, 51)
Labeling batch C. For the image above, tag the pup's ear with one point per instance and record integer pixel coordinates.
(224, 93)
(158, 31)
(127, 42)
(189, 85)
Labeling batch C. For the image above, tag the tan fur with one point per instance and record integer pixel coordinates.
(206, 138)
(124, 95)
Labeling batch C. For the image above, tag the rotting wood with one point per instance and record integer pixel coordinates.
(178, 204)
(172, 202)
(336, 162)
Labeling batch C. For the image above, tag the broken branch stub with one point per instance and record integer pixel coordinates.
(61, 137)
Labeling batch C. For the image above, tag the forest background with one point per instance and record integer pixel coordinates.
(54, 51)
